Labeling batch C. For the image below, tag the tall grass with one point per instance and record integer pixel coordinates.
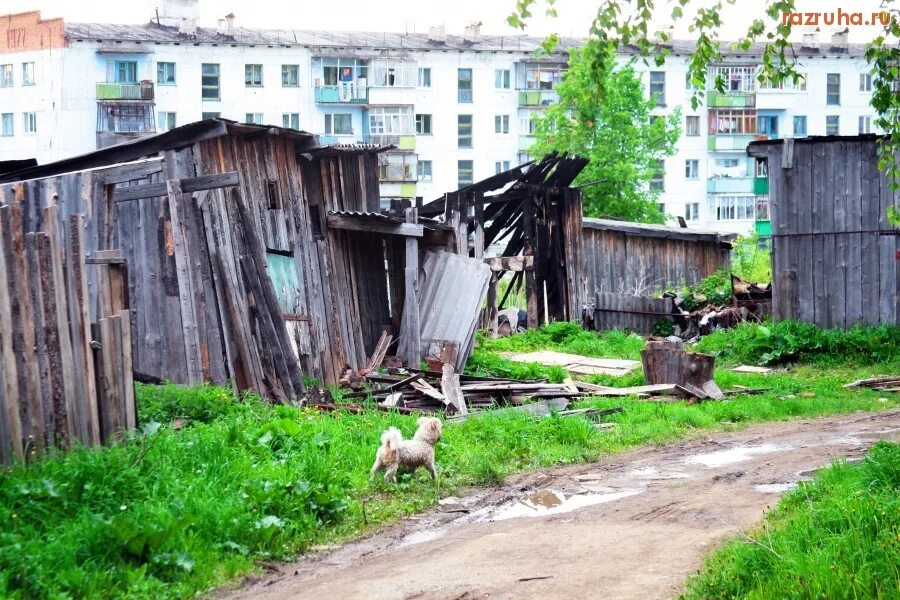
(836, 537)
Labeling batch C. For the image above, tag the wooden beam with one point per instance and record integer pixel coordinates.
(348, 223)
(191, 184)
(411, 329)
(509, 263)
(105, 257)
(131, 172)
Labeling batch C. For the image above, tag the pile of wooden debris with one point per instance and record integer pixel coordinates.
(886, 383)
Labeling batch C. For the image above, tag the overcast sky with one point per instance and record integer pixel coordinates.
(406, 15)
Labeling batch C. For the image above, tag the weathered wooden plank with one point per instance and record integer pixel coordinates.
(369, 225)
(39, 328)
(410, 332)
(10, 419)
(130, 172)
(126, 374)
(79, 320)
(452, 392)
(190, 184)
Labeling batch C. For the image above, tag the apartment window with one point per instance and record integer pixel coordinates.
(657, 180)
(501, 79)
(800, 126)
(691, 169)
(123, 71)
(210, 81)
(768, 125)
(290, 120)
(865, 82)
(833, 90)
(732, 122)
(423, 124)
(735, 208)
(865, 124)
(167, 120)
(29, 122)
(290, 75)
(464, 137)
(423, 168)
(6, 75)
(501, 124)
(733, 79)
(338, 124)
(501, 166)
(692, 211)
(465, 173)
(689, 84)
(28, 73)
(210, 115)
(7, 123)
(464, 85)
(762, 167)
(120, 117)
(424, 77)
(528, 125)
(661, 207)
(658, 87)
(832, 125)
(254, 118)
(391, 120)
(165, 73)
(692, 126)
(253, 75)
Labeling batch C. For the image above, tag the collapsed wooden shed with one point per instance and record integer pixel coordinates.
(835, 253)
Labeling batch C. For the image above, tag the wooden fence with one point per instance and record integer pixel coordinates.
(65, 379)
(624, 311)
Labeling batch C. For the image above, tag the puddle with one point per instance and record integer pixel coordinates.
(733, 455)
(654, 473)
(551, 502)
(419, 537)
(874, 436)
(775, 488)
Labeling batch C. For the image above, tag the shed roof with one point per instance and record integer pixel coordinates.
(818, 139)
(658, 231)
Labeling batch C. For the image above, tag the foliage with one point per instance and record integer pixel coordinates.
(773, 343)
(567, 336)
(713, 289)
(749, 261)
(835, 537)
(616, 133)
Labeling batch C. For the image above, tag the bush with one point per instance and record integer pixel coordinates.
(751, 262)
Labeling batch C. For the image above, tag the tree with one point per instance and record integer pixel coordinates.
(618, 135)
(622, 23)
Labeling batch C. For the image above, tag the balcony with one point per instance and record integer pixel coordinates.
(730, 185)
(348, 93)
(537, 98)
(404, 142)
(761, 186)
(397, 168)
(730, 142)
(731, 99)
(125, 91)
(331, 139)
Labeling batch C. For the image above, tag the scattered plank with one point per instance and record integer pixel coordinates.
(381, 348)
(875, 381)
(751, 369)
(453, 395)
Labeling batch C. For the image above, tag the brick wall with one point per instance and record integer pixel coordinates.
(27, 31)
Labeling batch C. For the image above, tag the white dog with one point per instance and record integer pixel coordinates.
(395, 452)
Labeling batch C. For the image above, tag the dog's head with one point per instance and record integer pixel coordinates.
(429, 430)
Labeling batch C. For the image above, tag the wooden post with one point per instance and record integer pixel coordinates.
(531, 291)
(410, 334)
(478, 201)
(491, 311)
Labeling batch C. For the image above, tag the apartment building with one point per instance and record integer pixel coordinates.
(458, 108)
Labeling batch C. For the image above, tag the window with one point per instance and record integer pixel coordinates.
(692, 126)
(768, 125)
(29, 122)
(465, 174)
(658, 86)
(501, 166)
(464, 85)
(832, 125)
(501, 124)
(865, 124)
(290, 120)
(657, 180)
(734, 79)
(123, 71)
(541, 78)
(735, 208)
(119, 117)
(689, 84)
(800, 126)
(255, 118)
(166, 121)
(339, 124)
(661, 207)
(501, 79)
(391, 120)
(425, 77)
(691, 168)
(28, 73)
(423, 168)
(528, 125)
(165, 73)
(210, 81)
(253, 75)
(692, 211)
(833, 90)
(762, 209)
(393, 73)
(732, 122)
(423, 124)
(6, 75)
(210, 115)
(789, 83)
(8, 126)
(865, 82)
(290, 75)
(464, 138)
(762, 167)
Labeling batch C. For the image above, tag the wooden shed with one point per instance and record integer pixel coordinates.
(835, 254)
(247, 247)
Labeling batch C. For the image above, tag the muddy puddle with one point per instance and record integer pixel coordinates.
(734, 455)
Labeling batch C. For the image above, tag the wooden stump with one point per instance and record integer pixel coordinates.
(669, 362)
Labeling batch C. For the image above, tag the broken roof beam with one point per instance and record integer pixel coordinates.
(509, 263)
(191, 184)
(350, 223)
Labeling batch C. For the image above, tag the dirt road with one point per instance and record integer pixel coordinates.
(632, 526)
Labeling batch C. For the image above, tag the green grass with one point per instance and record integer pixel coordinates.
(213, 485)
(835, 537)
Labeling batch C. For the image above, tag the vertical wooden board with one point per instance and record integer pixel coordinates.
(817, 262)
(853, 223)
(58, 425)
(126, 374)
(836, 189)
(41, 349)
(889, 276)
(10, 419)
(186, 286)
(81, 334)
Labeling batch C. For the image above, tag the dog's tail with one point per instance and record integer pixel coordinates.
(391, 440)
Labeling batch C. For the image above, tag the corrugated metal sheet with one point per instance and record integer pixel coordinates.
(452, 296)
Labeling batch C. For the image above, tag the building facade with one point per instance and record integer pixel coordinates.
(458, 108)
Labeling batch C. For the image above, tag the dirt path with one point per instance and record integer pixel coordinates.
(632, 526)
